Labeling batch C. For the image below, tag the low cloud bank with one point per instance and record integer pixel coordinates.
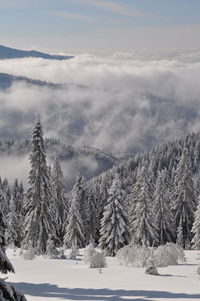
(122, 103)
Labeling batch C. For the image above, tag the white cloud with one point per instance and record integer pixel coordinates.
(119, 103)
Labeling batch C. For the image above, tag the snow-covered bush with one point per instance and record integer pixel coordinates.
(177, 251)
(151, 267)
(134, 255)
(164, 256)
(138, 256)
(74, 253)
(98, 260)
(62, 255)
(88, 253)
(52, 252)
(29, 254)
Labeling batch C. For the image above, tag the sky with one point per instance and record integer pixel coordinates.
(99, 26)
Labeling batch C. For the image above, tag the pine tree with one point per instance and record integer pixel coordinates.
(13, 230)
(164, 216)
(60, 207)
(5, 196)
(3, 207)
(7, 291)
(100, 197)
(196, 228)
(114, 223)
(6, 191)
(184, 202)
(17, 193)
(39, 222)
(144, 226)
(91, 216)
(75, 231)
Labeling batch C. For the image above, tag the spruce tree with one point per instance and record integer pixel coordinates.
(7, 291)
(164, 216)
(114, 223)
(184, 201)
(91, 216)
(60, 207)
(39, 222)
(144, 226)
(17, 193)
(13, 232)
(75, 231)
(196, 228)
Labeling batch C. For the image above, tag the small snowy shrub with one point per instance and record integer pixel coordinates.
(137, 256)
(198, 269)
(74, 253)
(151, 267)
(177, 251)
(133, 255)
(29, 254)
(88, 253)
(98, 260)
(62, 255)
(52, 252)
(164, 256)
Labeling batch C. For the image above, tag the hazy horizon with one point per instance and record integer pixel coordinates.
(99, 26)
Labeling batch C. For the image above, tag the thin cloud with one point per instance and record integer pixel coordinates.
(117, 8)
(73, 16)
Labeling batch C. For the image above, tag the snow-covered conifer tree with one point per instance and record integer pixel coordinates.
(75, 232)
(5, 196)
(164, 216)
(39, 222)
(144, 226)
(60, 207)
(91, 216)
(196, 228)
(114, 223)
(17, 193)
(183, 197)
(7, 292)
(13, 232)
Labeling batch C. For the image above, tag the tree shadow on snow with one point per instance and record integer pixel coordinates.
(170, 275)
(53, 291)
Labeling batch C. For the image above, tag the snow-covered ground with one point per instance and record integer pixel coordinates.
(56, 280)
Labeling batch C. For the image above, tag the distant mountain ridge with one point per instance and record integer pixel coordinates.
(12, 53)
(87, 161)
(6, 81)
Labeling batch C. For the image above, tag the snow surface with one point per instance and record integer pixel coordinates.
(56, 280)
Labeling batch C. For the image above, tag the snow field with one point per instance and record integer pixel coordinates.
(49, 279)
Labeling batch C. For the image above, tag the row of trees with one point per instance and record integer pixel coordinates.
(145, 201)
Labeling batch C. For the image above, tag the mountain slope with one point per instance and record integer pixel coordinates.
(7, 80)
(87, 161)
(11, 53)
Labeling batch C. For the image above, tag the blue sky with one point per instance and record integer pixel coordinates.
(99, 25)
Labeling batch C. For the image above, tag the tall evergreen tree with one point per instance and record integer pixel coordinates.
(75, 231)
(164, 216)
(7, 291)
(184, 202)
(17, 193)
(13, 232)
(60, 207)
(39, 222)
(5, 196)
(144, 226)
(91, 227)
(114, 223)
(196, 228)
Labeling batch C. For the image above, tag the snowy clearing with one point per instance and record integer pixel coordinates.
(55, 280)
